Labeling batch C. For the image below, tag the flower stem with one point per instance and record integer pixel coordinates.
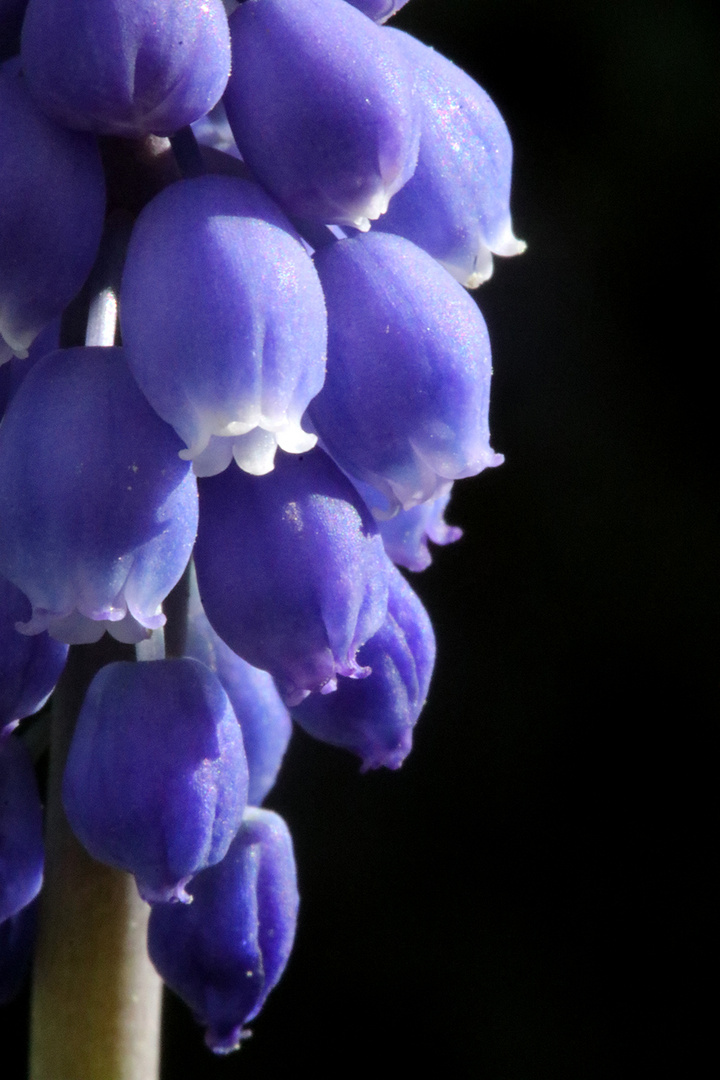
(96, 997)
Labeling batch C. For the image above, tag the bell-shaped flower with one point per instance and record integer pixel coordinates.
(97, 512)
(14, 371)
(29, 666)
(379, 10)
(52, 205)
(321, 104)
(404, 408)
(263, 718)
(225, 952)
(126, 68)
(223, 319)
(457, 204)
(406, 535)
(17, 940)
(374, 718)
(21, 828)
(292, 571)
(156, 777)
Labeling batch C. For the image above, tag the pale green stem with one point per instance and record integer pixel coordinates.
(96, 997)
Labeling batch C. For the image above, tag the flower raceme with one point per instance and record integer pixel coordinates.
(311, 292)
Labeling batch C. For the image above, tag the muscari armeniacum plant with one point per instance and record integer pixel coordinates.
(296, 380)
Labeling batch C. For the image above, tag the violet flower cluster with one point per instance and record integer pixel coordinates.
(298, 378)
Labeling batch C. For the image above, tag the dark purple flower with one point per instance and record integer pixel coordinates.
(21, 828)
(156, 777)
(225, 952)
(29, 666)
(52, 204)
(291, 570)
(375, 717)
(17, 939)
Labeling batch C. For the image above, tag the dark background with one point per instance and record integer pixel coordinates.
(525, 898)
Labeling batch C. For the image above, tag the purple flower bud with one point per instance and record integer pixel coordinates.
(292, 572)
(321, 105)
(29, 666)
(17, 940)
(456, 206)
(156, 777)
(375, 717)
(21, 837)
(404, 407)
(97, 512)
(406, 535)
(265, 722)
(225, 952)
(126, 68)
(224, 322)
(52, 204)
(379, 10)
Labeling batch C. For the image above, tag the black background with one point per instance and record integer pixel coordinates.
(524, 899)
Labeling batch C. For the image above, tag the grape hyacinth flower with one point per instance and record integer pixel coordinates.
(156, 777)
(149, 67)
(379, 10)
(292, 571)
(21, 835)
(224, 323)
(225, 952)
(263, 718)
(98, 512)
(52, 202)
(374, 717)
(322, 108)
(29, 666)
(406, 535)
(456, 205)
(309, 293)
(17, 939)
(404, 408)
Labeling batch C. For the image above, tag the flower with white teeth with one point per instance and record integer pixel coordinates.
(223, 318)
